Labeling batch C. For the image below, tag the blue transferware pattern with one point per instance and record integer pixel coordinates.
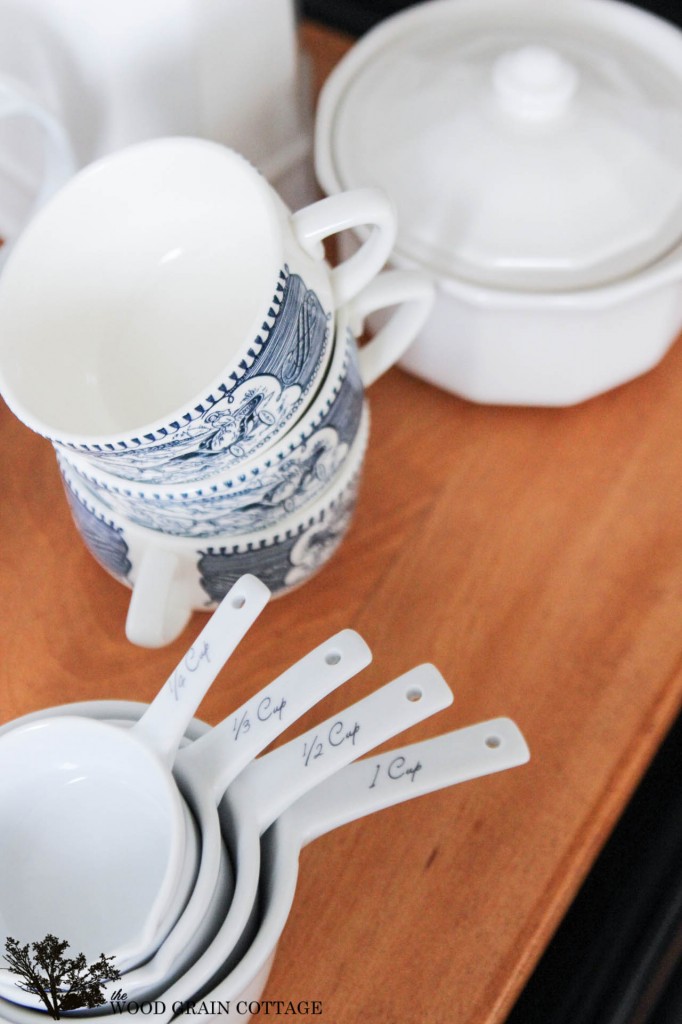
(260, 499)
(104, 540)
(288, 562)
(283, 561)
(254, 406)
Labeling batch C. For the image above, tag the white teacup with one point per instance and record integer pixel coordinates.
(295, 470)
(165, 305)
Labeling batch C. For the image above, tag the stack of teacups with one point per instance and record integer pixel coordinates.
(178, 334)
(247, 815)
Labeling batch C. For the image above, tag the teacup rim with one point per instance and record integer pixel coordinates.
(293, 525)
(161, 428)
(299, 431)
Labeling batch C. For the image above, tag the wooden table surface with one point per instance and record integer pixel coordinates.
(535, 556)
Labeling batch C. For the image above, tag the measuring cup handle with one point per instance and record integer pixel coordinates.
(165, 720)
(221, 754)
(357, 207)
(274, 782)
(414, 293)
(159, 608)
(407, 772)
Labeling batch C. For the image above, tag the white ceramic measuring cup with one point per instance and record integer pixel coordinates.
(122, 714)
(78, 776)
(355, 791)
(186, 880)
(276, 779)
(205, 769)
(273, 782)
(348, 795)
(64, 868)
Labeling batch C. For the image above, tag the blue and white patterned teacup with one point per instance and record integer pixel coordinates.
(172, 576)
(166, 309)
(292, 473)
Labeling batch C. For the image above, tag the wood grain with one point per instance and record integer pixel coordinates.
(535, 556)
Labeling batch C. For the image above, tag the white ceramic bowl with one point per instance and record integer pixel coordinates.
(507, 348)
(546, 333)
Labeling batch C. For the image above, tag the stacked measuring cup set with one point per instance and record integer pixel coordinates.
(188, 901)
(178, 334)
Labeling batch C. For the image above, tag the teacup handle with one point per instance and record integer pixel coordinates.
(414, 293)
(356, 208)
(59, 162)
(160, 608)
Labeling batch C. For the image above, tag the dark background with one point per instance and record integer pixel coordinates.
(357, 16)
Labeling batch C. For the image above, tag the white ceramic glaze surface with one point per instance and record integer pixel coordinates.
(125, 713)
(269, 785)
(206, 770)
(116, 74)
(526, 147)
(101, 890)
(355, 791)
(554, 285)
(360, 789)
(171, 575)
(273, 782)
(82, 775)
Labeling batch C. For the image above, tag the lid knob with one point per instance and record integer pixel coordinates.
(534, 82)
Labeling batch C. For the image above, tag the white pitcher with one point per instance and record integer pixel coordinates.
(115, 72)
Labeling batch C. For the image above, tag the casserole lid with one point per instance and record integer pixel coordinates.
(525, 147)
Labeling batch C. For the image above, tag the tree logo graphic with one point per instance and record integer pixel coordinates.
(61, 982)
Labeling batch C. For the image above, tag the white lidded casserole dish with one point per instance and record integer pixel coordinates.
(534, 154)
